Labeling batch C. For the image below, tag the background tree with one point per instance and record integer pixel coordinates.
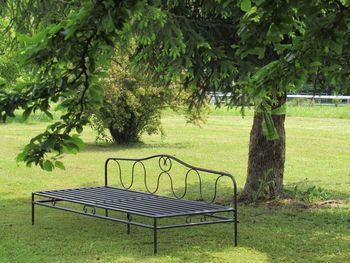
(132, 106)
(128, 108)
(256, 50)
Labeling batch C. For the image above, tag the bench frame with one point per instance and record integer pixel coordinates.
(165, 163)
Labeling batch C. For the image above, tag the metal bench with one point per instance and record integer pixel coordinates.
(102, 201)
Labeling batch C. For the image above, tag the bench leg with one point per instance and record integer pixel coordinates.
(155, 236)
(106, 212)
(33, 209)
(129, 219)
(235, 228)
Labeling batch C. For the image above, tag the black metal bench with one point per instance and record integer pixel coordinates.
(133, 203)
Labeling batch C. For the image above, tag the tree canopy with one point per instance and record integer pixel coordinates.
(253, 50)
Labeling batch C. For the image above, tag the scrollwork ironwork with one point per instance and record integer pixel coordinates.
(200, 218)
(165, 163)
(86, 209)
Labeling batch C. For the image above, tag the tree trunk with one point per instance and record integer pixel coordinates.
(266, 161)
(126, 136)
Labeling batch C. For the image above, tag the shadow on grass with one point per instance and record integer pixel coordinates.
(109, 147)
(266, 233)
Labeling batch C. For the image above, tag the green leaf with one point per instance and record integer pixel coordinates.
(69, 32)
(108, 22)
(315, 64)
(268, 127)
(22, 38)
(47, 166)
(48, 114)
(204, 45)
(27, 112)
(69, 148)
(59, 165)
(280, 110)
(77, 141)
(2, 82)
(246, 5)
(96, 94)
(79, 129)
(20, 157)
(73, 144)
(274, 34)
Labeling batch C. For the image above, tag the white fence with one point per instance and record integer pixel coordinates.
(341, 98)
(330, 97)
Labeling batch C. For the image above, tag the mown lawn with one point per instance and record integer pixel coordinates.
(318, 153)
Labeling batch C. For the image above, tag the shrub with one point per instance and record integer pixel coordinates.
(131, 106)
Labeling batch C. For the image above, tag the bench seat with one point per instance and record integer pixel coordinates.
(124, 204)
(133, 202)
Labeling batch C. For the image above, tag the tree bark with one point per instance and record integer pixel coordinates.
(265, 162)
(123, 137)
(129, 134)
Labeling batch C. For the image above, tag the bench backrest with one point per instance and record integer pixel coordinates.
(165, 165)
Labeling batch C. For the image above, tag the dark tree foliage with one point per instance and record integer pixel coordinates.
(254, 50)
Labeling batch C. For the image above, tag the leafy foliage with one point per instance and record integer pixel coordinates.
(8, 70)
(310, 194)
(8, 67)
(131, 106)
(63, 74)
(254, 50)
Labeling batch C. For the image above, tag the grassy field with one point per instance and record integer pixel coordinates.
(312, 111)
(318, 154)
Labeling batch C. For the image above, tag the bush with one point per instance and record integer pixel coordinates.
(132, 107)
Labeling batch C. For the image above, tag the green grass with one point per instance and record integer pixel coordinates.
(318, 153)
(310, 111)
